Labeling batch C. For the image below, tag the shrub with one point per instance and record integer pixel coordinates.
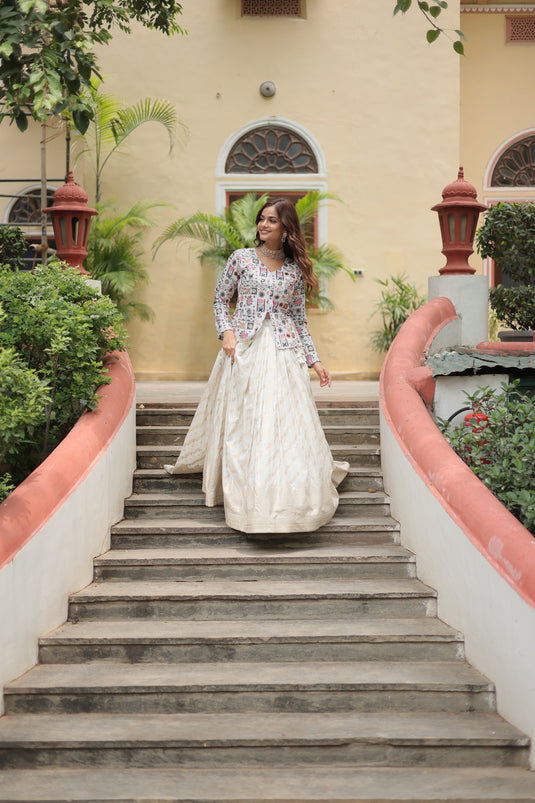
(514, 306)
(61, 329)
(501, 455)
(508, 237)
(23, 400)
(13, 246)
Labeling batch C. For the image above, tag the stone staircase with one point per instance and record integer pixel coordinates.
(204, 665)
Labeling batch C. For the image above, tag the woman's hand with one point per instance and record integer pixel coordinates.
(324, 375)
(229, 344)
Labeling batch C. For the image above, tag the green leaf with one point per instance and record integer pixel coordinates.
(435, 11)
(81, 119)
(21, 120)
(26, 6)
(403, 6)
(432, 35)
(458, 47)
(6, 49)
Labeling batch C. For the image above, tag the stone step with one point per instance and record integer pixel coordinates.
(157, 480)
(304, 687)
(150, 641)
(321, 783)
(176, 505)
(253, 600)
(250, 562)
(383, 739)
(158, 456)
(174, 416)
(199, 531)
(336, 434)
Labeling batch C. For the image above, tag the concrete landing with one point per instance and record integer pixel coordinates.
(340, 390)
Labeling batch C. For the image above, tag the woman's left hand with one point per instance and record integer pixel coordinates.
(324, 375)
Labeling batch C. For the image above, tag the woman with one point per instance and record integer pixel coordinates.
(256, 434)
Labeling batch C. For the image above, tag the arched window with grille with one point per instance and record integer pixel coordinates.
(24, 210)
(272, 155)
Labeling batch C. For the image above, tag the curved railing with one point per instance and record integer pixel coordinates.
(405, 388)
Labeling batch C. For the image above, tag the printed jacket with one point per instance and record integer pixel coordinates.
(280, 293)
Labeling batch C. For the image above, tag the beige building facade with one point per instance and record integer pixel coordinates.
(383, 119)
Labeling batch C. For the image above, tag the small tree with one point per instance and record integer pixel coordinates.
(115, 253)
(508, 237)
(47, 51)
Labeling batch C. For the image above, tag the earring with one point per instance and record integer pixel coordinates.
(284, 236)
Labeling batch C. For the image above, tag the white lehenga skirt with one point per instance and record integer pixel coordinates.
(257, 438)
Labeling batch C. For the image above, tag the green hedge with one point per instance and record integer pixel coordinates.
(55, 331)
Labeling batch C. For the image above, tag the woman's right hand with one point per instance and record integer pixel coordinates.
(229, 344)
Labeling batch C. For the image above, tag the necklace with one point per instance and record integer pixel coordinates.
(278, 254)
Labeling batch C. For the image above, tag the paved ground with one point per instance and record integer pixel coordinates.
(341, 390)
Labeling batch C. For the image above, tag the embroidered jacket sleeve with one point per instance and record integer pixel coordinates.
(297, 311)
(224, 291)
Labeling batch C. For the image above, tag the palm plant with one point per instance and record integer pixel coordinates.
(113, 123)
(236, 228)
(115, 256)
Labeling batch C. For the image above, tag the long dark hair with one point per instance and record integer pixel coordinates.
(294, 245)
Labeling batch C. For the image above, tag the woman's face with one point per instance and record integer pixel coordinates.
(270, 228)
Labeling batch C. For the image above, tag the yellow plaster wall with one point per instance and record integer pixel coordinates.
(384, 107)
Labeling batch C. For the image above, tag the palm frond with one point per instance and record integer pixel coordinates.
(320, 301)
(145, 111)
(136, 217)
(217, 255)
(105, 107)
(242, 215)
(132, 307)
(327, 261)
(203, 227)
(307, 206)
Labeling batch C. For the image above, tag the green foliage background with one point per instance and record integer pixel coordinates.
(47, 53)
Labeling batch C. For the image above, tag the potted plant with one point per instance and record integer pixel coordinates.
(508, 237)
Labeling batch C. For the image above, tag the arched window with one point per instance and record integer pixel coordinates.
(516, 166)
(24, 210)
(271, 149)
(272, 155)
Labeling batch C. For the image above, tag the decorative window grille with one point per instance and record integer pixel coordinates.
(27, 208)
(516, 166)
(271, 149)
(25, 211)
(520, 29)
(271, 8)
